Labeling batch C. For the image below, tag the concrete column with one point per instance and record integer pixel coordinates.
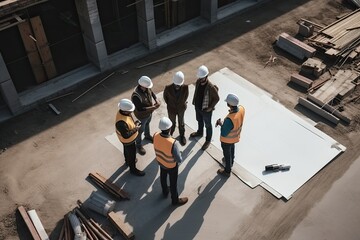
(209, 10)
(146, 23)
(7, 88)
(92, 33)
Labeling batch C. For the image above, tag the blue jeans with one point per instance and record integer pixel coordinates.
(229, 155)
(145, 122)
(204, 118)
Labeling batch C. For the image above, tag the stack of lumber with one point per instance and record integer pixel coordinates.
(341, 38)
(329, 93)
(294, 46)
(108, 186)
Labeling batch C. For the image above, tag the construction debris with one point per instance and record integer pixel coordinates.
(102, 80)
(54, 109)
(313, 66)
(295, 47)
(301, 80)
(341, 38)
(166, 58)
(100, 203)
(29, 223)
(306, 29)
(37, 224)
(108, 186)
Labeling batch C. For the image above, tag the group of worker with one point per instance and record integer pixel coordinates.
(144, 102)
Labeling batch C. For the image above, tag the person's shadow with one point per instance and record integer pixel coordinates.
(188, 226)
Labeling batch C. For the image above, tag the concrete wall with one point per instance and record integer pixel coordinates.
(7, 88)
(146, 23)
(92, 33)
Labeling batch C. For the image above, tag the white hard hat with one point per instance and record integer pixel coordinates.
(232, 99)
(165, 123)
(178, 78)
(126, 105)
(203, 71)
(145, 82)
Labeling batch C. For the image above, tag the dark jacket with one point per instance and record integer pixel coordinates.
(175, 104)
(211, 96)
(142, 100)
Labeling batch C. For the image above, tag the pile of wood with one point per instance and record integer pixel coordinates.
(340, 38)
(33, 223)
(79, 225)
(108, 186)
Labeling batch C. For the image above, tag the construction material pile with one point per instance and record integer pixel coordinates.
(341, 38)
(330, 87)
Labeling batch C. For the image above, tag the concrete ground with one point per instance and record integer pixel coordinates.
(45, 158)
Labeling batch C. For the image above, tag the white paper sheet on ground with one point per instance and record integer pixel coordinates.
(271, 134)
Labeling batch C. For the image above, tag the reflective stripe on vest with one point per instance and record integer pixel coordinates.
(163, 149)
(237, 119)
(131, 125)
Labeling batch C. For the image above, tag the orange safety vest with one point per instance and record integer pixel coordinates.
(163, 149)
(237, 119)
(131, 124)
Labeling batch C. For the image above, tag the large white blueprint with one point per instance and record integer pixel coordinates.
(271, 134)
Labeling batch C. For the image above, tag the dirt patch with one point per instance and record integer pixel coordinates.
(8, 225)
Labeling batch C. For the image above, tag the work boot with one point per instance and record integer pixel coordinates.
(149, 138)
(196, 134)
(182, 140)
(141, 150)
(221, 171)
(137, 172)
(206, 145)
(181, 201)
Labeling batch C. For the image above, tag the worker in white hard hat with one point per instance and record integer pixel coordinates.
(145, 102)
(168, 156)
(230, 132)
(175, 96)
(127, 131)
(205, 98)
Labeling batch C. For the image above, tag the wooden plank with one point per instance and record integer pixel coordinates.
(102, 185)
(110, 186)
(301, 80)
(38, 225)
(124, 228)
(43, 47)
(316, 109)
(332, 88)
(32, 53)
(29, 223)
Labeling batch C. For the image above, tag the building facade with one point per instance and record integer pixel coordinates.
(47, 46)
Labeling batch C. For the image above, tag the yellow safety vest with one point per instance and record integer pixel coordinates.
(237, 119)
(131, 125)
(163, 150)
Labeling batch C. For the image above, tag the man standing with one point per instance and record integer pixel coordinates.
(175, 96)
(230, 131)
(127, 131)
(169, 157)
(142, 98)
(205, 98)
